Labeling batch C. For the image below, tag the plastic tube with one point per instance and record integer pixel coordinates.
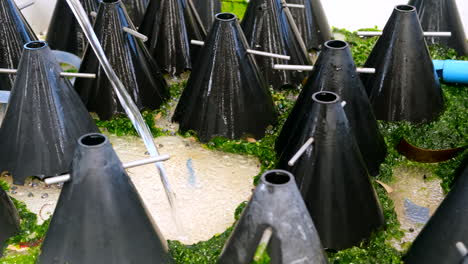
(452, 71)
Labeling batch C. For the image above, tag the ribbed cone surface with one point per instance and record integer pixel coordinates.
(131, 61)
(100, 218)
(14, 33)
(405, 86)
(225, 94)
(9, 219)
(335, 71)
(168, 40)
(207, 9)
(44, 118)
(312, 23)
(64, 32)
(446, 227)
(442, 16)
(267, 29)
(332, 176)
(136, 10)
(276, 203)
(195, 29)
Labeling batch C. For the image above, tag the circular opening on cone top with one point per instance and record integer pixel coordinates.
(225, 16)
(336, 44)
(110, 1)
(93, 140)
(277, 177)
(325, 97)
(405, 8)
(35, 45)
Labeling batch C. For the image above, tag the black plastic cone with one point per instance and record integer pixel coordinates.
(405, 86)
(267, 29)
(130, 59)
(195, 29)
(276, 203)
(225, 94)
(44, 118)
(442, 16)
(168, 39)
(14, 33)
(335, 71)
(136, 9)
(207, 9)
(9, 219)
(437, 241)
(312, 23)
(332, 175)
(100, 218)
(64, 32)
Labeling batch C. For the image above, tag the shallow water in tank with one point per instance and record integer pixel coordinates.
(209, 185)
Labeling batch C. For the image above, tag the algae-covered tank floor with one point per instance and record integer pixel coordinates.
(209, 185)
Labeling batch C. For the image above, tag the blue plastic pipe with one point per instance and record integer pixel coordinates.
(452, 71)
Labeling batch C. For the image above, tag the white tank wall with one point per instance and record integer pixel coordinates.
(347, 14)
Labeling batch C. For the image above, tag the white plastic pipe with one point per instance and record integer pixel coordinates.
(295, 6)
(288, 67)
(294, 27)
(461, 248)
(63, 74)
(135, 33)
(426, 34)
(343, 104)
(250, 51)
(93, 14)
(264, 240)
(127, 165)
(301, 151)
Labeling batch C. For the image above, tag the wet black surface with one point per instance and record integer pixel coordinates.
(131, 61)
(44, 119)
(332, 176)
(136, 10)
(9, 219)
(207, 9)
(225, 94)
(14, 33)
(100, 217)
(405, 86)
(276, 203)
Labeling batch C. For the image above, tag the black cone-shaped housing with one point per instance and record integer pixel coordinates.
(44, 118)
(168, 40)
(225, 94)
(442, 16)
(332, 176)
(207, 9)
(64, 32)
(9, 219)
(446, 227)
(276, 203)
(130, 59)
(136, 9)
(335, 71)
(267, 29)
(14, 33)
(312, 23)
(405, 86)
(100, 218)
(195, 29)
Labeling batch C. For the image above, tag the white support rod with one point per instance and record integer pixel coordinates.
(301, 151)
(63, 74)
(426, 34)
(263, 244)
(294, 27)
(142, 162)
(268, 54)
(288, 67)
(93, 14)
(135, 33)
(250, 51)
(461, 248)
(26, 4)
(78, 75)
(295, 6)
(127, 165)
(343, 104)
